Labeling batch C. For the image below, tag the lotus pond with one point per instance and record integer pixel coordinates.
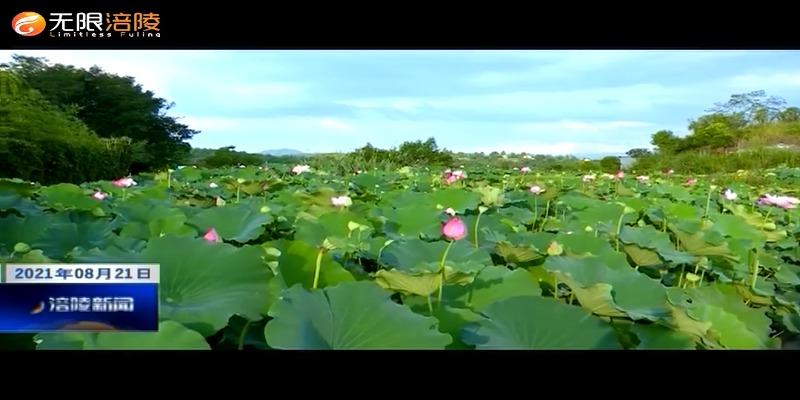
(282, 258)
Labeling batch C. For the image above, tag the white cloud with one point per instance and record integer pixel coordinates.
(589, 102)
(336, 125)
(547, 66)
(777, 80)
(228, 95)
(552, 65)
(572, 126)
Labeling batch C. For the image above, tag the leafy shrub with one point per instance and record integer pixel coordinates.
(708, 163)
(610, 164)
(57, 160)
(226, 157)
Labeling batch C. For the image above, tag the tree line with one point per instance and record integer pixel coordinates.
(59, 123)
(718, 140)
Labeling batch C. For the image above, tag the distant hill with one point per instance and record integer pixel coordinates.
(282, 152)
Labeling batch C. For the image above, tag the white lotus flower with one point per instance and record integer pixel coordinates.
(341, 201)
(299, 169)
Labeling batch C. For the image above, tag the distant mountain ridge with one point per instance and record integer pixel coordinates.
(282, 152)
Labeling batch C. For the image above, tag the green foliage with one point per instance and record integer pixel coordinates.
(227, 157)
(638, 153)
(111, 106)
(39, 142)
(750, 131)
(408, 154)
(610, 164)
(653, 264)
(708, 163)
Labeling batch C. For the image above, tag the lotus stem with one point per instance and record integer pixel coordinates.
(477, 221)
(441, 267)
(708, 203)
(544, 217)
(241, 335)
(555, 286)
(319, 264)
(755, 269)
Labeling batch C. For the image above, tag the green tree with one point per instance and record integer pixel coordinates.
(637, 153)
(421, 153)
(227, 156)
(666, 141)
(790, 114)
(44, 143)
(752, 107)
(111, 106)
(716, 131)
(610, 164)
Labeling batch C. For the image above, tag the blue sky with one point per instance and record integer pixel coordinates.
(546, 102)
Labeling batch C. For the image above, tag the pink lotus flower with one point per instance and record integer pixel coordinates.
(124, 182)
(450, 211)
(729, 195)
(451, 177)
(99, 195)
(535, 189)
(784, 202)
(454, 229)
(690, 182)
(212, 236)
(525, 170)
(619, 175)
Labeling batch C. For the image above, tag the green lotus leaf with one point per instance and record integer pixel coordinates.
(528, 322)
(298, 261)
(459, 200)
(333, 224)
(204, 284)
(416, 255)
(15, 230)
(350, 315)
(422, 284)
(170, 336)
(658, 337)
(491, 284)
(238, 223)
(66, 196)
(60, 238)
